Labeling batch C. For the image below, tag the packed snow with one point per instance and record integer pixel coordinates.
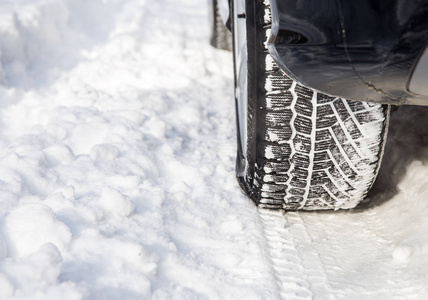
(117, 172)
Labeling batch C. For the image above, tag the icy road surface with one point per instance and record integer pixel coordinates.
(117, 172)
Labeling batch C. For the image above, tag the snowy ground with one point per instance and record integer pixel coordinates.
(117, 172)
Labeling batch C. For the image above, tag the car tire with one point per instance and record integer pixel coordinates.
(298, 149)
(221, 37)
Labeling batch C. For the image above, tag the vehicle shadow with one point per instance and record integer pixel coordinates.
(407, 142)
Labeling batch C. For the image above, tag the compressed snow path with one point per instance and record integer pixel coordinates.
(117, 172)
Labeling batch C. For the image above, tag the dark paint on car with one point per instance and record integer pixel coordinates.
(361, 50)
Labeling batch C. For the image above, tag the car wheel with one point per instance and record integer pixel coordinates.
(297, 148)
(221, 37)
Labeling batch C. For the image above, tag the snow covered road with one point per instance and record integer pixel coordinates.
(117, 172)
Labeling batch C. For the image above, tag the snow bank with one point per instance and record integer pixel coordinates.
(111, 156)
(41, 38)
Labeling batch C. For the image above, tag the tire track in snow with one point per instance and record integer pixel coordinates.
(357, 257)
(299, 272)
(339, 255)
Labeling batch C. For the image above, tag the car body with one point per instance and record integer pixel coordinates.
(366, 50)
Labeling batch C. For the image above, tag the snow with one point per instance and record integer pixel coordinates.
(117, 172)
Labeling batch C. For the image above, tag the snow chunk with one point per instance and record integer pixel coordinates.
(46, 261)
(156, 127)
(269, 153)
(273, 137)
(30, 226)
(116, 203)
(58, 154)
(41, 269)
(401, 253)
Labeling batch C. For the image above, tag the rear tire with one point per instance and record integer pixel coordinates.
(301, 149)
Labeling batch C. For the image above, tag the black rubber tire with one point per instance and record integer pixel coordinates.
(221, 37)
(305, 150)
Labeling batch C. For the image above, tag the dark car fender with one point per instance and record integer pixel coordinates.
(361, 50)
